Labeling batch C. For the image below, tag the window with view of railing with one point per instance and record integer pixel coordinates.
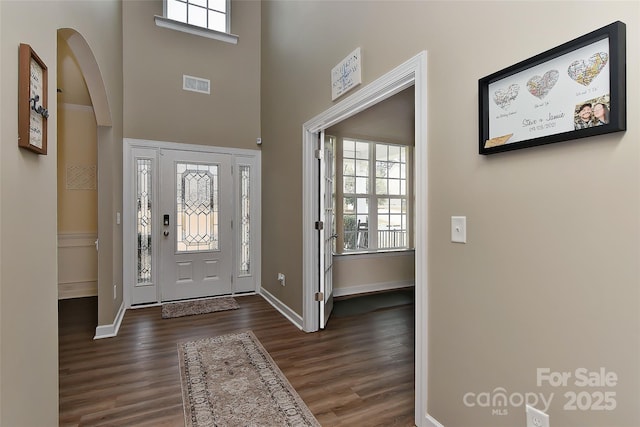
(375, 195)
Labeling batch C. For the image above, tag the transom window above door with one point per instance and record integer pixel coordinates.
(207, 18)
(210, 14)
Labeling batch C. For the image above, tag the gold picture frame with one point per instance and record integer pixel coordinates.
(32, 101)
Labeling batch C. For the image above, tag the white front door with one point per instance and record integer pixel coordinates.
(196, 244)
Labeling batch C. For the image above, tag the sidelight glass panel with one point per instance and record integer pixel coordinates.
(245, 219)
(143, 219)
(197, 207)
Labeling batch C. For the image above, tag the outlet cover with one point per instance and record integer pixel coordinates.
(536, 418)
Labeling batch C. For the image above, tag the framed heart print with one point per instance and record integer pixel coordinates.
(32, 101)
(575, 90)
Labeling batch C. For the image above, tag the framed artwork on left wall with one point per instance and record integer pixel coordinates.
(32, 101)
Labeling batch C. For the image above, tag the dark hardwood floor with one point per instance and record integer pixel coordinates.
(357, 372)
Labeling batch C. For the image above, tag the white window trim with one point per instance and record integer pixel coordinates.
(164, 22)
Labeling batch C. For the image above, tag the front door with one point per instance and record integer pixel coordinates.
(196, 246)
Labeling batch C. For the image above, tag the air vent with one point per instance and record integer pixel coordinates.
(196, 84)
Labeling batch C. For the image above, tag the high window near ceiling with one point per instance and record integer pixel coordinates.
(208, 18)
(374, 212)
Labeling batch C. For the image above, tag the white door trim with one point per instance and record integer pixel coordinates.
(413, 72)
(240, 157)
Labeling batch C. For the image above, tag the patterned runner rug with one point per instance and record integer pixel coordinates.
(231, 380)
(201, 306)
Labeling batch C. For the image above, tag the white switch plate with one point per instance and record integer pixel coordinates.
(536, 418)
(459, 229)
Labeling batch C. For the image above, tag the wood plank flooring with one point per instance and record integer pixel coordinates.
(357, 372)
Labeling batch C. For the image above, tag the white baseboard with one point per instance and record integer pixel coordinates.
(78, 289)
(291, 315)
(432, 422)
(371, 287)
(110, 331)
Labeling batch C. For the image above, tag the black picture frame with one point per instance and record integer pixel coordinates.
(523, 105)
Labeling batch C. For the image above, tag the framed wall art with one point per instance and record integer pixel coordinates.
(575, 90)
(32, 101)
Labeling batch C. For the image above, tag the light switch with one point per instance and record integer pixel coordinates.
(459, 229)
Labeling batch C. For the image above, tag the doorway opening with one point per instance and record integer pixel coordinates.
(85, 107)
(411, 73)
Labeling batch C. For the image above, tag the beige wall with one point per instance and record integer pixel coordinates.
(354, 274)
(77, 147)
(548, 278)
(155, 59)
(28, 311)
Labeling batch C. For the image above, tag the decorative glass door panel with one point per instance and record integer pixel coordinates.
(197, 207)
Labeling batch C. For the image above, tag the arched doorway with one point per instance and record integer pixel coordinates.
(84, 174)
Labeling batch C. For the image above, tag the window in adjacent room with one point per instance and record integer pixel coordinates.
(375, 202)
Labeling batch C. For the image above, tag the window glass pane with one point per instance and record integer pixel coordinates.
(381, 152)
(217, 21)
(197, 16)
(394, 187)
(363, 205)
(403, 171)
(348, 146)
(381, 186)
(144, 219)
(349, 232)
(349, 205)
(197, 207)
(381, 169)
(395, 205)
(349, 184)
(362, 235)
(177, 10)
(348, 167)
(219, 5)
(403, 154)
(403, 187)
(383, 205)
(362, 168)
(394, 170)
(245, 219)
(202, 3)
(394, 153)
(362, 185)
(362, 150)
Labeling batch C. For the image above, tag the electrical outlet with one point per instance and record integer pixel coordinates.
(281, 278)
(536, 418)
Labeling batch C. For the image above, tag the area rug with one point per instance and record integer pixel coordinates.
(201, 306)
(231, 380)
